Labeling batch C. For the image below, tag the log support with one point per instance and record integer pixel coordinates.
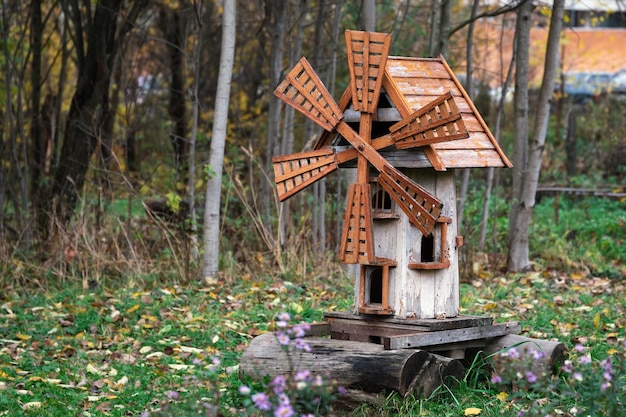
(370, 355)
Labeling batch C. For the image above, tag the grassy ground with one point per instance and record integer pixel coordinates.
(116, 351)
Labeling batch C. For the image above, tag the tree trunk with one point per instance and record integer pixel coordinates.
(174, 27)
(518, 259)
(444, 27)
(570, 141)
(278, 11)
(360, 365)
(469, 88)
(210, 260)
(497, 134)
(368, 17)
(520, 102)
(87, 109)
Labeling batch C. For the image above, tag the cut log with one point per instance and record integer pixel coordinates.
(357, 365)
(554, 354)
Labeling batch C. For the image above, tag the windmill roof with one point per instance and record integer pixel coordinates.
(411, 83)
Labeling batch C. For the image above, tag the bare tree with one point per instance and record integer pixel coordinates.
(527, 174)
(469, 87)
(210, 260)
(90, 103)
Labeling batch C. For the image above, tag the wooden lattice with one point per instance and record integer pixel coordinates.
(357, 244)
(367, 56)
(438, 121)
(293, 173)
(421, 207)
(303, 90)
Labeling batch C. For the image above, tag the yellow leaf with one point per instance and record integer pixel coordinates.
(297, 307)
(612, 351)
(502, 396)
(490, 306)
(93, 370)
(22, 336)
(133, 308)
(472, 411)
(596, 321)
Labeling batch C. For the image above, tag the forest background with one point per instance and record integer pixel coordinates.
(108, 119)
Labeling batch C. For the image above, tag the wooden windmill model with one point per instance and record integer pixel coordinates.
(437, 122)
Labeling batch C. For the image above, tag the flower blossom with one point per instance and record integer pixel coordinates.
(262, 401)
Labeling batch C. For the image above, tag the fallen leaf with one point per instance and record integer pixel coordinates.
(22, 336)
(472, 411)
(31, 405)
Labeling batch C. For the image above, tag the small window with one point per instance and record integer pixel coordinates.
(376, 286)
(381, 201)
(430, 258)
(427, 253)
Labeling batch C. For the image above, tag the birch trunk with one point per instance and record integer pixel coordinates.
(518, 258)
(210, 260)
(520, 103)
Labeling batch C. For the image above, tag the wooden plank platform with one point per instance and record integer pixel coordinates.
(429, 334)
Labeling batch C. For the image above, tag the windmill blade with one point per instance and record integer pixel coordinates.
(357, 243)
(367, 57)
(295, 172)
(421, 207)
(304, 90)
(436, 122)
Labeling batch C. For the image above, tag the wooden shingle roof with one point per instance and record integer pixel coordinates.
(411, 83)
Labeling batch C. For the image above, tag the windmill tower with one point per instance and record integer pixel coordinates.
(403, 122)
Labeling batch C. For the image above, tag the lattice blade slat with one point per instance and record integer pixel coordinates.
(421, 207)
(295, 172)
(367, 57)
(438, 121)
(303, 90)
(357, 243)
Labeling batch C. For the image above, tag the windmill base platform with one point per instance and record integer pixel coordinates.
(451, 335)
(371, 355)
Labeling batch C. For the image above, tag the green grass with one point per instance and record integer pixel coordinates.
(119, 350)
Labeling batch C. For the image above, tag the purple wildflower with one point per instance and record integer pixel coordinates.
(318, 382)
(513, 353)
(299, 330)
(284, 316)
(585, 359)
(197, 361)
(579, 348)
(283, 399)
(607, 375)
(342, 390)
(172, 395)
(303, 375)
(302, 345)
(278, 384)
(284, 410)
(262, 401)
(605, 386)
(283, 338)
(532, 378)
(568, 367)
(244, 390)
(538, 354)
(496, 379)
(577, 376)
